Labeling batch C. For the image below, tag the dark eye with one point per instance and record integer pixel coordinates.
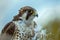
(29, 11)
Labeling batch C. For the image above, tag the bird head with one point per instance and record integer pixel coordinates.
(26, 13)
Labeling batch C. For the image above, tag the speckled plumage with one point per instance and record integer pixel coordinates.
(22, 26)
(23, 32)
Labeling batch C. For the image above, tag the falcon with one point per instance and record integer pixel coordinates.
(22, 26)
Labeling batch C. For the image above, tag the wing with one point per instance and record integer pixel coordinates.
(9, 28)
(8, 31)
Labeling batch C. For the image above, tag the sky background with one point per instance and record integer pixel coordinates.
(9, 8)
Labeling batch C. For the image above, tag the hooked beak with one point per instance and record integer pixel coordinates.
(36, 15)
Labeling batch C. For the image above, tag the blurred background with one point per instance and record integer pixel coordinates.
(46, 9)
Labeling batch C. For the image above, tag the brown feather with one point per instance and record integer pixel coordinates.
(9, 30)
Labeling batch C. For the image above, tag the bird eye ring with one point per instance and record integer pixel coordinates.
(31, 11)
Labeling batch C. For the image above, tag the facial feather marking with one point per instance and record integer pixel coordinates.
(24, 16)
(29, 14)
